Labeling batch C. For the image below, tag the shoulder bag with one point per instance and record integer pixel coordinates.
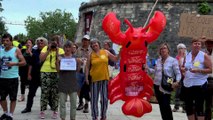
(166, 81)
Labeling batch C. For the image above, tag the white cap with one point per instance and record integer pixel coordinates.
(86, 37)
(181, 45)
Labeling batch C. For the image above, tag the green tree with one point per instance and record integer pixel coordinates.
(3, 28)
(1, 9)
(22, 37)
(57, 22)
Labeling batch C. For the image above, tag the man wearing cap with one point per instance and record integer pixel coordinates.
(83, 52)
(209, 92)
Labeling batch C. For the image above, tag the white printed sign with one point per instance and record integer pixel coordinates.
(68, 64)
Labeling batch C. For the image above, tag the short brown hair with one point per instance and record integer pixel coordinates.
(198, 39)
(163, 44)
(68, 44)
(95, 40)
(108, 42)
(55, 38)
(75, 44)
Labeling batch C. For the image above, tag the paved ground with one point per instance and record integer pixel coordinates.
(114, 112)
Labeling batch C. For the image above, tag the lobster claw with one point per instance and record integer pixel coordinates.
(111, 26)
(155, 26)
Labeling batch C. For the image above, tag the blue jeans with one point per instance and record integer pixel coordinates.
(81, 79)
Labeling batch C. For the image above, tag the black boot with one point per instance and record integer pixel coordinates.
(80, 106)
(86, 108)
(26, 110)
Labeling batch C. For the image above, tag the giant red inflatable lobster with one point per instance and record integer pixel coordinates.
(132, 84)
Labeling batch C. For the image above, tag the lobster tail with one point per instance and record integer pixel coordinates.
(136, 107)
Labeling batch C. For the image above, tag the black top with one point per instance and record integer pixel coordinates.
(36, 64)
(68, 81)
(23, 70)
(110, 62)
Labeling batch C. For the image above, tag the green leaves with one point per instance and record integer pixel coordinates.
(3, 28)
(56, 22)
(1, 9)
(204, 8)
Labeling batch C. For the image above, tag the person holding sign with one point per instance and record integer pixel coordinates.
(67, 66)
(197, 67)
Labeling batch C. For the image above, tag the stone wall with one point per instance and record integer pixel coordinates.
(136, 11)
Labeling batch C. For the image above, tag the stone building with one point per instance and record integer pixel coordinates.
(136, 11)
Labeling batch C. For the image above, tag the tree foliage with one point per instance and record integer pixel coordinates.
(56, 22)
(3, 28)
(21, 37)
(1, 9)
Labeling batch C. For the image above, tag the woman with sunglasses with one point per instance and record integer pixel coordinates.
(34, 72)
(49, 78)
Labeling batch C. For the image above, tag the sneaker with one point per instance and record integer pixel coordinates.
(183, 111)
(103, 119)
(4, 116)
(80, 106)
(86, 110)
(42, 115)
(21, 99)
(175, 110)
(54, 115)
(9, 118)
(26, 110)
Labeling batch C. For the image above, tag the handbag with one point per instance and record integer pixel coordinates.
(166, 81)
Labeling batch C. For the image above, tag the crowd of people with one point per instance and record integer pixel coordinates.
(192, 79)
(68, 70)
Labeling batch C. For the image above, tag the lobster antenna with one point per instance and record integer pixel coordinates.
(129, 24)
(150, 13)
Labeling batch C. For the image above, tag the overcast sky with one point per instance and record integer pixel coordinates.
(16, 11)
